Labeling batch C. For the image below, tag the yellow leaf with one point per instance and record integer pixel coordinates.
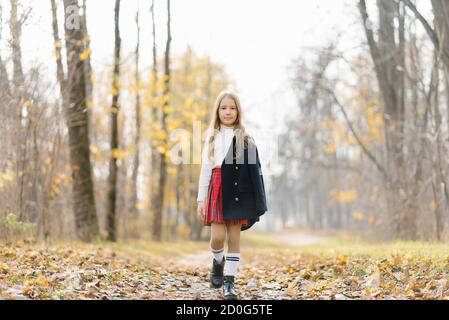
(374, 280)
(41, 281)
(410, 293)
(4, 268)
(85, 54)
(26, 291)
(29, 282)
(433, 204)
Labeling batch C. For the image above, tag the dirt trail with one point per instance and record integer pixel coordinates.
(298, 239)
(294, 239)
(189, 275)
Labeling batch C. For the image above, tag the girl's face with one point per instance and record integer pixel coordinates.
(227, 111)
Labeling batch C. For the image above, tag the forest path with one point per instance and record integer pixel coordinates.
(192, 270)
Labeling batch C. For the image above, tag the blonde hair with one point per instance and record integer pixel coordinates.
(242, 137)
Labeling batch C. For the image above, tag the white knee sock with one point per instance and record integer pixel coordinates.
(218, 254)
(232, 264)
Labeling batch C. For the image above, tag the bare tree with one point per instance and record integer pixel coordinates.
(136, 162)
(159, 205)
(4, 79)
(87, 63)
(86, 220)
(388, 56)
(16, 33)
(155, 118)
(114, 145)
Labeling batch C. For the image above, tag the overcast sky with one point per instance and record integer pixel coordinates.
(256, 40)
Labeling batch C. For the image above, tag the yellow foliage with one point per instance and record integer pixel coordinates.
(188, 103)
(114, 91)
(57, 55)
(93, 149)
(114, 110)
(352, 141)
(140, 205)
(159, 135)
(171, 170)
(85, 54)
(433, 204)
(357, 215)
(345, 196)
(28, 104)
(6, 177)
(168, 109)
(331, 148)
(121, 154)
(29, 282)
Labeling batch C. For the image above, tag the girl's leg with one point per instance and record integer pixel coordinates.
(232, 261)
(233, 237)
(217, 239)
(233, 255)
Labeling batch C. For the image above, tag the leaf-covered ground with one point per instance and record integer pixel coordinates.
(332, 269)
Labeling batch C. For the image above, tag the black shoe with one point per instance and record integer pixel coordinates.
(216, 276)
(229, 288)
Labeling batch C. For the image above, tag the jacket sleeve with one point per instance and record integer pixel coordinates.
(205, 173)
(255, 173)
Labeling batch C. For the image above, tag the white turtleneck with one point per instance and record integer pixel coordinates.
(223, 141)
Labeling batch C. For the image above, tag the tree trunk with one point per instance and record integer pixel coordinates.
(77, 122)
(16, 33)
(4, 79)
(157, 225)
(388, 59)
(154, 176)
(136, 162)
(111, 227)
(441, 13)
(437, 160)
(88, 68)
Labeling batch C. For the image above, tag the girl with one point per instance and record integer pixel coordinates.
(231, 191)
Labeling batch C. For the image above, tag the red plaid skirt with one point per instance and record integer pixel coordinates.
(213, 210)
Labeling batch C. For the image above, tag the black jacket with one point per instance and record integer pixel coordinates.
(243, 189)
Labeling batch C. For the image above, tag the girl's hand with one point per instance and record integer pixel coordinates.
(200, 210)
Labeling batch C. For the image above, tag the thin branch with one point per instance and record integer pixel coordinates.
(356, 136)
(432, 34)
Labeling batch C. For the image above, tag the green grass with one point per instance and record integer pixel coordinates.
(353, 246)
(259, 240)
(335, 245)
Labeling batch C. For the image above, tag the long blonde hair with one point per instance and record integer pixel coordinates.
(242, 137)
